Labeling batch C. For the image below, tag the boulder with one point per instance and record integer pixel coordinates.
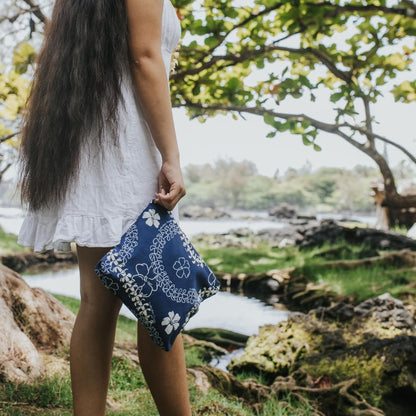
(284, 211)
(329, 231)
(31, 321)
(199, 212)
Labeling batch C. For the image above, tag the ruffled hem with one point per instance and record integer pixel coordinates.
(49, 233)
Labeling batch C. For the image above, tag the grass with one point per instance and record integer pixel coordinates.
(8, 243)
(128, 391)
(364, 282)
(360, 282)
(253, 260)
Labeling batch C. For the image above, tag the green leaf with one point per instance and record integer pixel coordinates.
(306, 141)
(268, 119)
(336, 96)
(316, 147)
(211, 41)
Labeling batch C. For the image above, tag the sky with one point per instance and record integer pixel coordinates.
(224, 137)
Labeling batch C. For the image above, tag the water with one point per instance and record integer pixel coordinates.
(11, 220)
(224, 310)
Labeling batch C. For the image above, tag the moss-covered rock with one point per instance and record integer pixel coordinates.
(384, 370)
(277, 347)
(373, 343)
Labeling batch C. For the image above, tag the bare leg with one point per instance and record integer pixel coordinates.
(165, 373)
(92, 338)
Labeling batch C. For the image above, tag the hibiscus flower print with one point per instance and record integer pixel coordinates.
(145, 283)
(171, 322)
(182, 268)
(152, 218)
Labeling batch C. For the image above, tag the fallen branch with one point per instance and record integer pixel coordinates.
(400, 257)
(368, 409)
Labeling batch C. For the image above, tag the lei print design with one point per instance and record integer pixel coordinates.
(112, 286)
(193, 255)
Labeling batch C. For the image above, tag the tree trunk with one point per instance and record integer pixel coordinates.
(31, 321)
(392, 208)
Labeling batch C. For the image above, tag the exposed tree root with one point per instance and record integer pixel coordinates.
(253, 392)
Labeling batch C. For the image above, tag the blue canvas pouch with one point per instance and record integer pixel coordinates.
(158, 274)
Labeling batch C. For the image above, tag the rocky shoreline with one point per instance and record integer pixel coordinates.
(38, 262)
(347, 357)
(341, 355)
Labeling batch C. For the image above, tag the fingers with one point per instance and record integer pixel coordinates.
(170, 199)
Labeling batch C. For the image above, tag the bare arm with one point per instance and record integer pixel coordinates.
(151, 84)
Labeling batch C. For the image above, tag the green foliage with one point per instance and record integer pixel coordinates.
(362, 282)
(367, 377)
(251, 58)
(8, 243)
(71, 303)
(259, 258)
(328, 189)
(49, 392)
(125, 376)
(228, 43)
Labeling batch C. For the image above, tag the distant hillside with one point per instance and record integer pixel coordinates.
(234, 184)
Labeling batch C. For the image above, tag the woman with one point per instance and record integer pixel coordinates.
(98, 142)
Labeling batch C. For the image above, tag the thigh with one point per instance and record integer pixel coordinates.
(93, 292)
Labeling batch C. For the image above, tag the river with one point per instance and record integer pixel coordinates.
(224, 310)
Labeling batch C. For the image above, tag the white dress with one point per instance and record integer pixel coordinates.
(115, 185)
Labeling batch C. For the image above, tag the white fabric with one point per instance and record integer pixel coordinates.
(115, 185)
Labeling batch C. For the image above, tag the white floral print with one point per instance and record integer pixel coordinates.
(153, 218)
(171, 322)
(146, 284)
(182, 267)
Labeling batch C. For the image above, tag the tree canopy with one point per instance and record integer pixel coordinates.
(256, 56)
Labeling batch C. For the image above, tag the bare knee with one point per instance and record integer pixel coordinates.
(95, 298)
(102, 302)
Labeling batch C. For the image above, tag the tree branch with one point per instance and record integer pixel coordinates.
(381, 138)
(12, 19)
(410, 3)
(348, 8)
(10, 136)
(36, 10)
(368, 121)
(248, 19)
(253, 53)
(260, 111)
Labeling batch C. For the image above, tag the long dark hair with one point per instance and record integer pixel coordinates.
(74, 95)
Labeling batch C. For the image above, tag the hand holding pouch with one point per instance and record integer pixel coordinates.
(158, 274)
